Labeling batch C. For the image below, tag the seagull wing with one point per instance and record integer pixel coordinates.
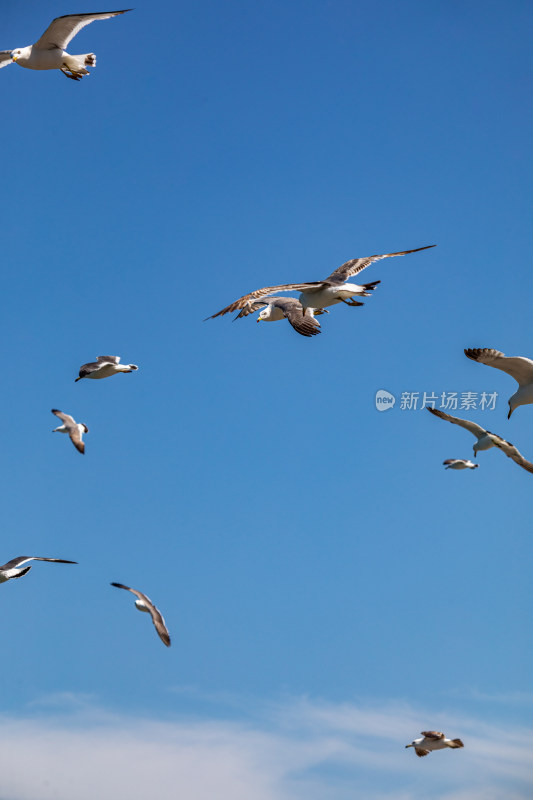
(350, 268)
(246, 301)
(75, 438)
(108, 359)
(432, 734)
(292, 310)
(63, 29)
(157, 617)
(452, 460)
(5, 58)
(521, 369)
(477, 430)
(511, 451)
(67, 420)
(421, 752)
(16, 562)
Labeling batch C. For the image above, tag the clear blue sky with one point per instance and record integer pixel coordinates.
(321, 575)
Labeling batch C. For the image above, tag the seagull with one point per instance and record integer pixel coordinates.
(276, 308)
(519, 368)
(103, 367)
(49, 52)
(319, 294)
(10, 570)
(74, 429)
(460, 463)
(433, 740)
(486, 439)
(143, 603)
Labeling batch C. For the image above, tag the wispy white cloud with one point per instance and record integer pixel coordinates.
(290, 750)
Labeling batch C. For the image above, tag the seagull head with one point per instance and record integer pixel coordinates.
(264, 314)
(15, 54)
(20, 52)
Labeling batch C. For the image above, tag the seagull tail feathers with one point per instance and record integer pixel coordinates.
(369, 287)
(90, 59)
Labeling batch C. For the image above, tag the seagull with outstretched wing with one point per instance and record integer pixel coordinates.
(12, 568)
(485, 439)
(433, 740)
(74, 429)
(143, 603)
(518, 367)
(49, 52)
(319, 294)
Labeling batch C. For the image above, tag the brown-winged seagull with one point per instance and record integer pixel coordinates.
(518, 367)
(289, 308)
(11, 569)
(459, 463)
(104, 367)
(74, 429)
(485, 439)
(319, 294)
(143, 603)
(49, 51)
(433, 740)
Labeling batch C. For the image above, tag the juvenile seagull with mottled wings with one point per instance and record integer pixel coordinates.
(319, 294)
(104, 367)
(11, 569)
(289, 308)
(143, 603)
(74, 429)
(485, 439)
(49, 51)
(433, 740)
(518, 367)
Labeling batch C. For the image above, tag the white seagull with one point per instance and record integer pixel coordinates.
(49, 51)
(433, 740)
(143, 603)
(289, 308)
(104, 367)
(74, 429)
(485, 439)
(518, 367)
(319, 294)
(460, 463)
(11, 569)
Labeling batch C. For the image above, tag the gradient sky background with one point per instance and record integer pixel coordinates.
(329, 588)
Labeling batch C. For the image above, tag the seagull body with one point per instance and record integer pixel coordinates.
(289, 308)
(104, 367)
(519, 368)
(460, 463)
(74, 429)
(143, 603)
(486, 439)
(334, 289)
(49, 51)
(11, 569)
(433, 740)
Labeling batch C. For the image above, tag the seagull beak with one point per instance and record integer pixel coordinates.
(14, 58)
(258, 319)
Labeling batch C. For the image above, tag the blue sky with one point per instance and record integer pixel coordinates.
(307, 551)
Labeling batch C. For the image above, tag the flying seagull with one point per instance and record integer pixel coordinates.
(276, 308)
(433, 740)
(460, 463)
(74, 429)
(519, 368)
(143, 603)
(486, 439)
(104, 367)
(10, 570)
(49, 52)
(319, 294)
